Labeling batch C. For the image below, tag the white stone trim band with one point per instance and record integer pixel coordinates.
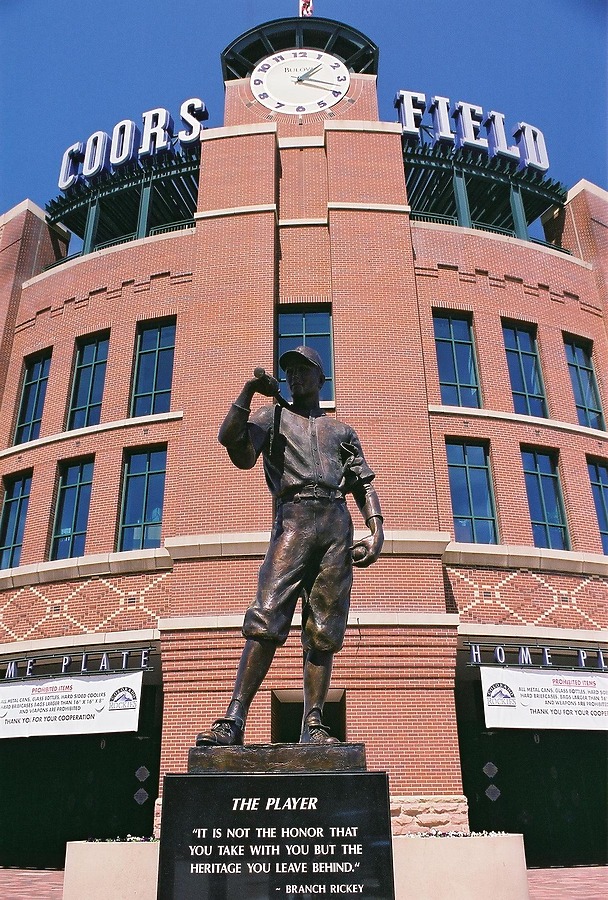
(288, 223)
(505, 238)
(467, 412)
(236, 211)
(76, 433)
(504, 556)
(538, 633)
(371, 207)
(229, 131)
(298, 143)
(355, 620)
(84, 641)
(105, 251)
(352, 125)
(230, 545)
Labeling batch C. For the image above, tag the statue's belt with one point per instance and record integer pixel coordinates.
(310, 492)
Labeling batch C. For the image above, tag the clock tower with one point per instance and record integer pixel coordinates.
(299, 73)
(303, 234)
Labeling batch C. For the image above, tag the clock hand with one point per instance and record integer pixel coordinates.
(307, 74)
(315, 81)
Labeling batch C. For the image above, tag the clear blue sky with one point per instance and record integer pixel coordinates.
(70, 68)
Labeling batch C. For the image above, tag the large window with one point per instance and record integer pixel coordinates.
(584, 385)
(524, 370)
(143, 494)
(471, 491)
(89, 378)
(545, 499)
(33, 393)
(12, 523)
(456, 359)
(72, 514)
(598, 475)
(308, 327)
(153, 368)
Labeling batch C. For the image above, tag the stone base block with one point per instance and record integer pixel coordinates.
(460, 868)
(114, 869)
(435, 868)
(277, 758)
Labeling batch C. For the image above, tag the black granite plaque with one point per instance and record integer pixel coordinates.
(256, 837)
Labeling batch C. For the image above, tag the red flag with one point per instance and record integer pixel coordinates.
(306, 7)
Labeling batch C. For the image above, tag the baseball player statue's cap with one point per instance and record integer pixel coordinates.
(299, 355)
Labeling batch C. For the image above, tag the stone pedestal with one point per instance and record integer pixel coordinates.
(277, 758)
(275, 820)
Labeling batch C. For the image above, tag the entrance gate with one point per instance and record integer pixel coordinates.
(550, 786)
(76, 787)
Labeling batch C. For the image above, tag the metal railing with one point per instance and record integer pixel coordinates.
(173, 226)
(121, 240)
(432, 217)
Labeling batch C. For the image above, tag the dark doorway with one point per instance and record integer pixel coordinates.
(59, 789)
(550, 786)
(286, 718)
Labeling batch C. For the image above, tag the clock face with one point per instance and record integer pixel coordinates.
(298, 82)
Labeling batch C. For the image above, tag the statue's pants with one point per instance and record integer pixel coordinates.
(309, 555)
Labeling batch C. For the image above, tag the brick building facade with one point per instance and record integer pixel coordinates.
(304, 214)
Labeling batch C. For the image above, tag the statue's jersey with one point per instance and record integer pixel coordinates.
(299, 451)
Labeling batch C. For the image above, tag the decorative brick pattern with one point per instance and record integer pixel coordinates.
(530, 598)
(92, 605)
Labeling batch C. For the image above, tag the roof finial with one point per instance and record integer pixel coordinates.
(306, 8)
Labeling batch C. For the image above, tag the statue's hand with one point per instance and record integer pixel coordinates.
(366, 551)
(263, 383)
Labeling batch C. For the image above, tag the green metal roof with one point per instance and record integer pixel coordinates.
(430, 171)
(174, 183)
(358, 53)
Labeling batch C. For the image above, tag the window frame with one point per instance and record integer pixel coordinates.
(539, 475)
(583, 410)
(468, 467)
(32, 425)
(600, 501)
(63, 486)
(329, 387)
(78, 367)
(458, 385)
(155, 393)
(21, 501)
(144, 524)
(520, 353)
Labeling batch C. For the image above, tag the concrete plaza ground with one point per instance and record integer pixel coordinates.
(544, 884)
